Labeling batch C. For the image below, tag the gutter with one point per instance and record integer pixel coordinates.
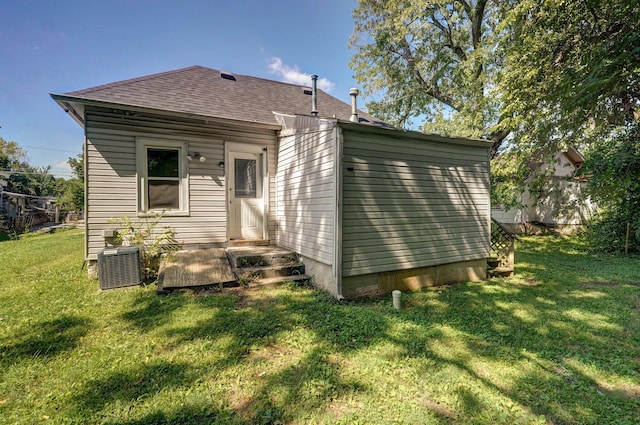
(404, 134)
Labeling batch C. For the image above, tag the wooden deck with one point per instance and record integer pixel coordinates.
(246, 266)
(198, 267)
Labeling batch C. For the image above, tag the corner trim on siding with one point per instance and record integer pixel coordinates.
(85, 158)
(337, 251)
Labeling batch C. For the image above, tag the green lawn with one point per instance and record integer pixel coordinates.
(559, 343)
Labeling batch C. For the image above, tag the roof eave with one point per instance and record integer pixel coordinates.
(75, 110)
(393, 132)
(74, 106)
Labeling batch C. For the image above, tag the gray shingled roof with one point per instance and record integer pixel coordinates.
(203, 91)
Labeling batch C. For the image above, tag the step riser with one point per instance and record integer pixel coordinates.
(252, 274)
(273, 282)
(265, 260)
(265, 266)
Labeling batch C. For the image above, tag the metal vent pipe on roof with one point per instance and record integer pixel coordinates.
(354, 105)
(314, 95)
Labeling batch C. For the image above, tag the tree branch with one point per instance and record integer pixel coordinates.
(466, 6)
(476, 17)
(429, 87)
(457, 50)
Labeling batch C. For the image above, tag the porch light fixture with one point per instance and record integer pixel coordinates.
(221, 164)
(196, 156)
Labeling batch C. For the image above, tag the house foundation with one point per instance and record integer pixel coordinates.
(413, 279)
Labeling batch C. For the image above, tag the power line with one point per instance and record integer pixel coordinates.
(50, 149)
(6, 170)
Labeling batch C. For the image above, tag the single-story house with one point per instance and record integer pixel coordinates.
(554, 197)
(368, 207)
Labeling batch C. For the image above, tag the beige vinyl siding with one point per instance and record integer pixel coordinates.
(412, 202)
(111, 166)
(306, 194)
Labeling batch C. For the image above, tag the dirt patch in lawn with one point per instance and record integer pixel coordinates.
(606, 283)
(440, 409)
(529, 282)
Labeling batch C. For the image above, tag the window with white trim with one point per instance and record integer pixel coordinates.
(162, 176)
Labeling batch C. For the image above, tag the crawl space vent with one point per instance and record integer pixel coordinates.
(119, 267)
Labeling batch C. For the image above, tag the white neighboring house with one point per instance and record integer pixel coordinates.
(559, 202)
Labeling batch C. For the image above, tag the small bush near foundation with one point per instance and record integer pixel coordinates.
(153, 240)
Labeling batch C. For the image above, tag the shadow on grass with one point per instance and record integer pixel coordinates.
(308, 385)
(567, 338)
(573, 339)
(133, 384)
(44, 340)
(186, 416)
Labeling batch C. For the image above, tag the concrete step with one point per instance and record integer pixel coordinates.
(260, 256)
(254, 273)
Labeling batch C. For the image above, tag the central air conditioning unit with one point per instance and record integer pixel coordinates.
(119, 267)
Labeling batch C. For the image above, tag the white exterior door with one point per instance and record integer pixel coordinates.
(245, 178)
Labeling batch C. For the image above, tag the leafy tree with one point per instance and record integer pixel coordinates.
(11, 155)
(71, 192)
(34, 181)
(434, 59)
(570, 73)
(77, 166)
(571, 76)
(613, 170)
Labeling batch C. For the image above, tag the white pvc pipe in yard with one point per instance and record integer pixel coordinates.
(397, 300)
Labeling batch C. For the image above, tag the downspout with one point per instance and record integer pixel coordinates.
(337, 261)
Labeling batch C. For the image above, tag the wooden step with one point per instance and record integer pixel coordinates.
(260, 256)
(275, 281)
(253, 273)
(248, 242)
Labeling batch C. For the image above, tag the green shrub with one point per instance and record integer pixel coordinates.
(153, 240)
(607, 231)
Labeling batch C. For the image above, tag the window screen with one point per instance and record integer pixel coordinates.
(162, 162)
(163, 175)
(245, 176)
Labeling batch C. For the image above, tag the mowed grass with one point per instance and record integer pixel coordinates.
(559, 343)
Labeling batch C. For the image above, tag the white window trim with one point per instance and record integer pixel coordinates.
(142, 144)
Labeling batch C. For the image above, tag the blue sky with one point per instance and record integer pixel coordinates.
(66, 45)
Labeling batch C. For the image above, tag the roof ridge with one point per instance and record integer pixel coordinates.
(137, 79)
(201, 90)
(188, 68)
(279, 82)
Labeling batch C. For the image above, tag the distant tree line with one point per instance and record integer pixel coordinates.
(24, 178)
